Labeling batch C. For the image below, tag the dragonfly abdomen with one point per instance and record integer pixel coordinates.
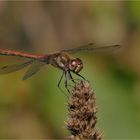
(20, 54)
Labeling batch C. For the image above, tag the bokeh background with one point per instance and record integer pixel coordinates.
(36, 108)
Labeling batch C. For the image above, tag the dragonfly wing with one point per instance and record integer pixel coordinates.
(35, 67)
(91, 47)
(12, 68)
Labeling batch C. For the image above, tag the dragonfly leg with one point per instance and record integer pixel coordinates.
(60, 83)
(70, 76)
(60, 80)
(73, 80)
(66, 82)
(81, 77)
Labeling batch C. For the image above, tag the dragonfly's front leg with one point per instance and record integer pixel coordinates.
(80, 76)
(70, 75)
(73, 80)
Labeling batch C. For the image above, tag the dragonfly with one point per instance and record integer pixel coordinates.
(62, 60)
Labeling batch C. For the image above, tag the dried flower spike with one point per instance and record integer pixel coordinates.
(82, 113)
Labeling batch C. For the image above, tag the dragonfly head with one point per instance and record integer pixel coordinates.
(75, 65)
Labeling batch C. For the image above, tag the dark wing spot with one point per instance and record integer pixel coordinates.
(4, 67)
(91, 44)
(118, 46)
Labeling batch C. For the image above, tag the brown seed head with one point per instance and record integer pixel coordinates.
(82, 113)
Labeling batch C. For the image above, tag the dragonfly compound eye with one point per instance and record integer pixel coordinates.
(76, 65)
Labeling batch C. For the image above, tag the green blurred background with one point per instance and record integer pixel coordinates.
(36, 108)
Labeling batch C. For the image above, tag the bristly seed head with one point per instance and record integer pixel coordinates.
(82, 113)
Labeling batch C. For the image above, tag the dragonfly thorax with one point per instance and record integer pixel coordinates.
(60, 60)
(66, 62)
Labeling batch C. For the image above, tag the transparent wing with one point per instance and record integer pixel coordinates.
(91, 47)
(12, 68)
(35, 67)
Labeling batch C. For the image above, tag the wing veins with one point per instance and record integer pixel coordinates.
(91, 47)
(35, 67)
(12, 68)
